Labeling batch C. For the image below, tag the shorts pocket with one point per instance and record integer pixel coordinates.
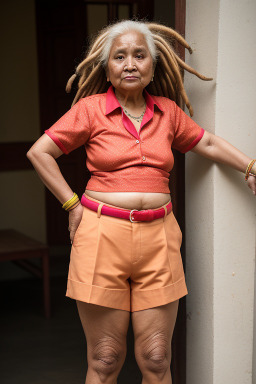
(178, 228)
(173, 236)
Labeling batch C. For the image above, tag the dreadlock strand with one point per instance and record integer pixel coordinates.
(83, 75)
(167, 68)
(170, 33)
(171, 60)
(169, 82)
(83, 69)
(190, 69)
(180, 83)
(175, 67)
(158, 83)
(164, 81)
(174, 63)
(103, 84)
(99, 83)
(92, 79)
(70, 82)
(172, 81)
(88, 60)
(98, 42)
(86, 87)
(78, 96)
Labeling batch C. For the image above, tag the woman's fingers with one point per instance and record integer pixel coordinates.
(75, 217)
(251, 182)
(72, 234)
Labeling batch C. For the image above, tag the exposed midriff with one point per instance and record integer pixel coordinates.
(131, 200)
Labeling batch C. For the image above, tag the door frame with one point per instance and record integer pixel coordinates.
(180, 331)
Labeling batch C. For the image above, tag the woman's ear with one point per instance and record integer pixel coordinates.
(107, 75)
(153, 71)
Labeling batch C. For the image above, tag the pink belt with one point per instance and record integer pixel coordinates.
(132, 215)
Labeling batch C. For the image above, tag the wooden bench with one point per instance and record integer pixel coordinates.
(16, 247)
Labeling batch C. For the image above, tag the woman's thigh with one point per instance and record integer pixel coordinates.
(153, 330)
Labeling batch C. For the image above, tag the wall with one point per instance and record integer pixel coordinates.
(22, 191)
(220, 209)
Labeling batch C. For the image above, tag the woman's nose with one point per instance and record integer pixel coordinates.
(130, 65)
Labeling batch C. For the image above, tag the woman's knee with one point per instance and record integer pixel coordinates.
(153, 354)
(107, 357)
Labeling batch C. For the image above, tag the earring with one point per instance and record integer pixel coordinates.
(107, 79)
(152, 78)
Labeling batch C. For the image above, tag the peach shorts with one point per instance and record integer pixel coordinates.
(123, 265)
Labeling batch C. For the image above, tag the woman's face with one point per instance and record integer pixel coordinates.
(130, 65)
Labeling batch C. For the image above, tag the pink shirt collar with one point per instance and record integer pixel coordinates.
(112, 102)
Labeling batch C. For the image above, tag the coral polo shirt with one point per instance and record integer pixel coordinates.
(119, 158)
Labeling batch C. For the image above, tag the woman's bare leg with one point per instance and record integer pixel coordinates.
(153, 330)
(105, 331)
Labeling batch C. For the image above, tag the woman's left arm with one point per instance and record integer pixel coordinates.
(217, 149)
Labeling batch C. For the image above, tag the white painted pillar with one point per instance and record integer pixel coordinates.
(220, 209)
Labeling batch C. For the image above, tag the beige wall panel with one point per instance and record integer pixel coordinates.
(220, 209)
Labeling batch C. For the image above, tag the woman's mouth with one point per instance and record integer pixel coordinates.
(131, 78)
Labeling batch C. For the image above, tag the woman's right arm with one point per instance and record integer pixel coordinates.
(42, 155)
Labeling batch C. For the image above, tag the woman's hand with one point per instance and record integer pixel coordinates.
(251, 182)
(75, 217)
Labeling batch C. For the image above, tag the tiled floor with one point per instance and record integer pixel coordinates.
(34, 350)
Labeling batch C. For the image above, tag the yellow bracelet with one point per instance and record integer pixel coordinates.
(248, 169)
(67, 205)
(68, 201)
(74, 206)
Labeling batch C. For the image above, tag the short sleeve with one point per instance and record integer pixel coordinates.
(187, 132)
(72, 130)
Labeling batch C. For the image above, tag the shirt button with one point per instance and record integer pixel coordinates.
(143, 158)
(137, 141)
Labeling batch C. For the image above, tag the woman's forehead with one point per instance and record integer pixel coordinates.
(130, 39)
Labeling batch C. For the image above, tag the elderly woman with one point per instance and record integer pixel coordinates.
(125, 254)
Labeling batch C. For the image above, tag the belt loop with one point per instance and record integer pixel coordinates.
(99, 209)
(165, 209)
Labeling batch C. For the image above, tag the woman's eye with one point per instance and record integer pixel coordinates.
(139, 56)
(119, 57)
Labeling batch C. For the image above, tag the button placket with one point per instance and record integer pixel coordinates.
(139, 142)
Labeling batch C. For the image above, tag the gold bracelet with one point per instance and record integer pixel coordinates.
(68, 204)
(248, 169)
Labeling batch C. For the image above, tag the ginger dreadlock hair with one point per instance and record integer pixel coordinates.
(168, 65)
